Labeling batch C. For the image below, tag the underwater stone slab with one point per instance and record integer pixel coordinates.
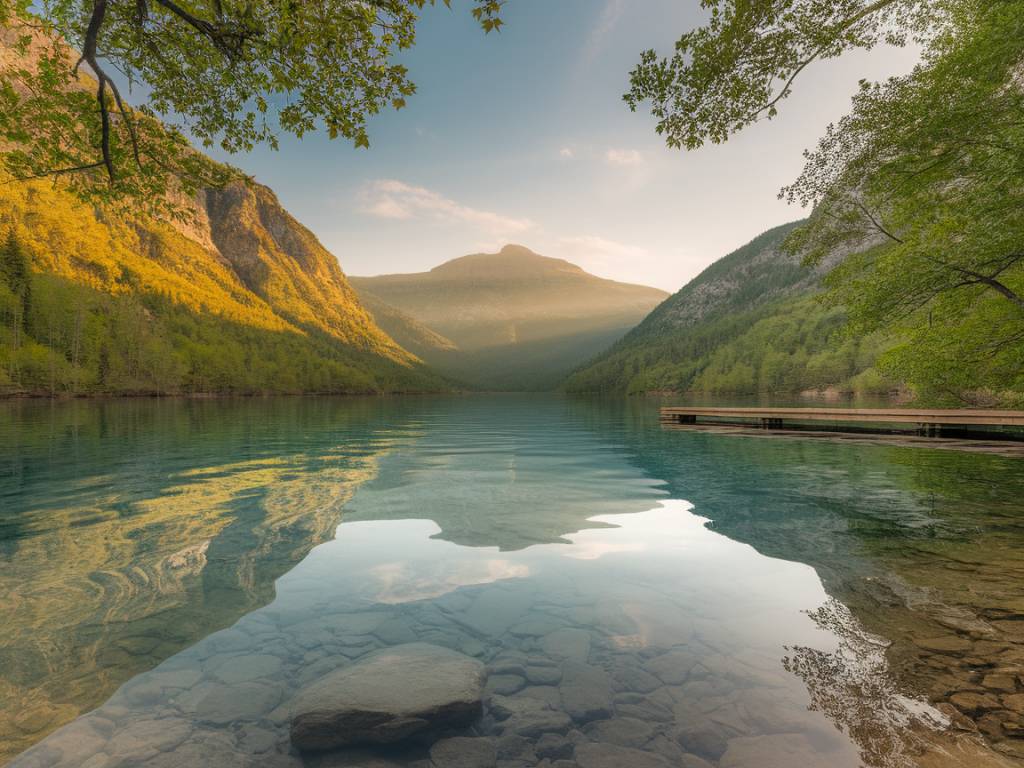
(973, 703)
(245, 669)
(464, 752)
(952, 644)
(632, 678)
(692, 761)
(572, 644)
(229, 703)
(700, 737)
(591, 755)
(586, 692)
(495, 610)
(543, 675)
(642, 707)
(624, 731)
(539, 722)
(554, 747)
(145, 738)
(389, 696)
(780, 750)
(1014, 702)
(395, 632)
(672, 668)
(505, 685)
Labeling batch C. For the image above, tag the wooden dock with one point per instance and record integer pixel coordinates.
(930, 422)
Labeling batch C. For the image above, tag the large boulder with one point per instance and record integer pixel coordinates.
(388, 696)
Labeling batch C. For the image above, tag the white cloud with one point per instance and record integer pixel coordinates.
(566, 152)
(601, 256)
(624, 158)
(387, 208)
(602, 28)
(393, 199)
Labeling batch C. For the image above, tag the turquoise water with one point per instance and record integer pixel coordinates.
(172, 573)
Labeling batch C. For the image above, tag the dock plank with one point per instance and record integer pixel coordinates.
(774, 417)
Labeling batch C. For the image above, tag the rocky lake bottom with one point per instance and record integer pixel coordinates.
(499, 582)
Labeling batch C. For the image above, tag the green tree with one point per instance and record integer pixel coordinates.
(919, 189)
(740, 66)
(922, 185)
(232, 73)
(15, 266)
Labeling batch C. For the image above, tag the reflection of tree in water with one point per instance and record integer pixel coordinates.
(851, 685)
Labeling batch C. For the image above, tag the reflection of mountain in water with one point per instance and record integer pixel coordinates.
(169, 520)
(505, 472)
(158, 541)
(923, 547)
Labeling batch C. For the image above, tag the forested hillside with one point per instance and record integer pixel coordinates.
(241, 299)
(748, 324)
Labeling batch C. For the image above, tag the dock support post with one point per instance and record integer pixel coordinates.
(686, 418)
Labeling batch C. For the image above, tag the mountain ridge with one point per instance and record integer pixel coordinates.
(233, 295)
(517, 318)
(748, 324)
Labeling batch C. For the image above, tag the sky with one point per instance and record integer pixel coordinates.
(523, 137)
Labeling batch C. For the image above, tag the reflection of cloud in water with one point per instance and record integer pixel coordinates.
(403, 582)
(648, 528)
(584, 548)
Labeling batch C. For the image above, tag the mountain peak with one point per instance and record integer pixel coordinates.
(511, 262)
(514, 249)
(515, 319)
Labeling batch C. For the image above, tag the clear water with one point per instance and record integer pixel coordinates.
(173, 572)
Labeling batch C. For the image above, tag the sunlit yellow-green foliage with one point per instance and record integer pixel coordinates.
(70, 240)
(283, 262)
(131, 305)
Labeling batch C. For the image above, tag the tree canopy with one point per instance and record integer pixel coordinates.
(235, 73)
(738, 68)
(922, 184)
(919, 187)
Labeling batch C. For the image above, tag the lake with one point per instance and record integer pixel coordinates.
(173, 572)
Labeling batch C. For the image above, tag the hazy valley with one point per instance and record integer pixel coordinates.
(513, 320)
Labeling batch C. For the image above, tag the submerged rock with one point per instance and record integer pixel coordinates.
(590, 755)
(389, 696)
(950, 644)
(464, 752)
(586, 692)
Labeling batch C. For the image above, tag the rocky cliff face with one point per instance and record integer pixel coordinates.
(758, 272)
(237, 254)
(283, 263)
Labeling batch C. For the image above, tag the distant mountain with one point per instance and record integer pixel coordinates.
(748, 324)
(519, 320)
(411, 334)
